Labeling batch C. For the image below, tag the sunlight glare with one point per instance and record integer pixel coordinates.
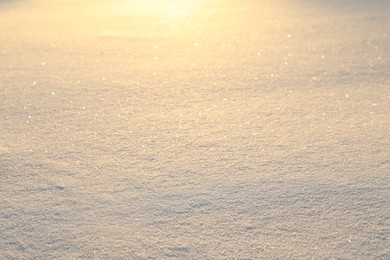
(164, 8)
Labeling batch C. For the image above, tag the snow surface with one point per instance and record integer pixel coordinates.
(230, 129)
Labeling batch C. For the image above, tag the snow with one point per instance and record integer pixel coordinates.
(218, 129)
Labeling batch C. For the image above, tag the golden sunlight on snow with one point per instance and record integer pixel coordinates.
(168, 8)
(203, 129)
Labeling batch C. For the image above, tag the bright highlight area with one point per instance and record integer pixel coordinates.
(170, 8)
(219, 129)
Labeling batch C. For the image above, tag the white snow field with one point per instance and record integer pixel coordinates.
(194, 129)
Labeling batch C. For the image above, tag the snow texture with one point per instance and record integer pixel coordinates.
(223, 130)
